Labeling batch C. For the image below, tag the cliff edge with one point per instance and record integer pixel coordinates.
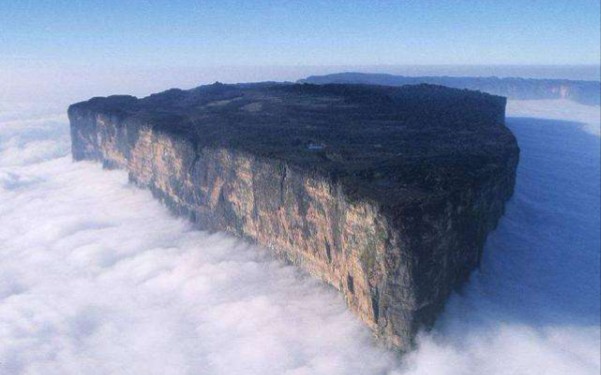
(386, 193)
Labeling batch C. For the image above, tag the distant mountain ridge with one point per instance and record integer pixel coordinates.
(583, 92)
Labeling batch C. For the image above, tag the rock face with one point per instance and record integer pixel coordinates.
(385, 193)
(583, 92)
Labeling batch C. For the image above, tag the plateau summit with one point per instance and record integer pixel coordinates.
(385, 193)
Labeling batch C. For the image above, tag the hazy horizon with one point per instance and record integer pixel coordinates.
(83, 82)
(119, 46)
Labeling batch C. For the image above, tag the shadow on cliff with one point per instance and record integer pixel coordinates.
(542, 265)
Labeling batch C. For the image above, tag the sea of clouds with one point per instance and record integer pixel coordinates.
(96, 277)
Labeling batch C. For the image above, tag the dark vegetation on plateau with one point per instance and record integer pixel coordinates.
(375, 140)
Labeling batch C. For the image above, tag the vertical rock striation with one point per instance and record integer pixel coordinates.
(387, 194)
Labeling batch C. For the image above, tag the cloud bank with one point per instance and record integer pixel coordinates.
(97, 278)
(533, 308)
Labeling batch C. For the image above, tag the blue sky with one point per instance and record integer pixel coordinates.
(213, 33)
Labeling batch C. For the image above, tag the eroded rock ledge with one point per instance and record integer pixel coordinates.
(385, 193)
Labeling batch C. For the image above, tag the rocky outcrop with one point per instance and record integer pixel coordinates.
(387, 194)
(584, 92)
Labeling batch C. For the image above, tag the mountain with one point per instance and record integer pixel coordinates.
(385, 193)
(584, 92)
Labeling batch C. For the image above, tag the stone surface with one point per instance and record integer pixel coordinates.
(385, 193)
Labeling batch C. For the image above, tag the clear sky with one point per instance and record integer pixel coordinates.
(213, 33)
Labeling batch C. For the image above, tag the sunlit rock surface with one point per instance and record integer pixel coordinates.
(385, 193)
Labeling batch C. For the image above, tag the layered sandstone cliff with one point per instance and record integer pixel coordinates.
(387, 194)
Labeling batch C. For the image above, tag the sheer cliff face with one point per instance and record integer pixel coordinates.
(394, 252)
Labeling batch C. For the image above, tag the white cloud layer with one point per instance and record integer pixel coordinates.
(97, 278)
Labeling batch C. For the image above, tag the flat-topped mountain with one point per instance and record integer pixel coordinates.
(386, 193)
(375, 139)
(584, 92)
